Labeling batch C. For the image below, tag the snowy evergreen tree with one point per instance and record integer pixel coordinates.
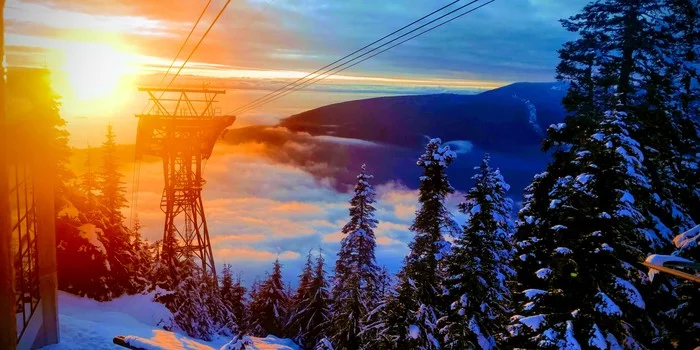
(296, 324)
(89, 180)
(386, 282)
(111, 184)
(226, 285)
(319, 306)
(589, 293)
(233, 295)
(355, 284)
(373, 332)
(644, 55)
(196, 304)
(678, 149)
(411, 313)
(254, 304)
(117, 237)
(478, 270)
(83, 266)
(143, 258)
(269, 305)
(310, 315)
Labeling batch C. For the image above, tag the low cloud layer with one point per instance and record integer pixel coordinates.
(259, 208)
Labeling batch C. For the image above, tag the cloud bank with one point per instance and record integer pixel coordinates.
(259, 209)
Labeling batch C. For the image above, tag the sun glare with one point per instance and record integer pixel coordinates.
(94, 70)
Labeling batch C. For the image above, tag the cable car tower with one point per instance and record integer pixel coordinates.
(181, 128)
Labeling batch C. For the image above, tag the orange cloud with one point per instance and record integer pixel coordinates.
(237, 238)
(248, 253)
(297, 208)
(388, 241)
(404, 211)
(333, 237)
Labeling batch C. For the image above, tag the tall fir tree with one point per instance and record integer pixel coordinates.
(309, 320)
(269, 305)
(641, 54)
(386, 282)
(412, 312)
(89, 180)
(226, 285)
(143, 258)
(683, 18)
(233, 295)
(111, 185)
(117, 237)
(295, 328)
(254, 304)
(478, 270)
(644, 55)
(586, 291)
(355, 284)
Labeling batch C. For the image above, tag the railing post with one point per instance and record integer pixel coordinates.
(46, 247)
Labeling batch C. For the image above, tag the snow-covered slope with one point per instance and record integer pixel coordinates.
(90, 325)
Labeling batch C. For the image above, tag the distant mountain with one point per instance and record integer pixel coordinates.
(497, 120)
(388, 134)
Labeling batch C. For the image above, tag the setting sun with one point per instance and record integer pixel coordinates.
(95, 70)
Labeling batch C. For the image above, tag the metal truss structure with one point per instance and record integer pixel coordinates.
(182, 127)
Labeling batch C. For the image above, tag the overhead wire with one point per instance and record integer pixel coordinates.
(182, 47)
(218, 15)
(340, 68)
(349, 55)
(179, 51)
(137, 162)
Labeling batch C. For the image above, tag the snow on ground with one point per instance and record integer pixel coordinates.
(87, 324)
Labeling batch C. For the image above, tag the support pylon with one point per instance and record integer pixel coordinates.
(182, 131)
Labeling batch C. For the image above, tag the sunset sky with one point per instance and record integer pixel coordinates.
(100, 51)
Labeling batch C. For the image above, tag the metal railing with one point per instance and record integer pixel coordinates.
(24, 242)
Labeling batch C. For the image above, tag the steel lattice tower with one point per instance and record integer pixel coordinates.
(181, 128)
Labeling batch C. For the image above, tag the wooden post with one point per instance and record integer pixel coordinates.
(8, 326)
(46, 247)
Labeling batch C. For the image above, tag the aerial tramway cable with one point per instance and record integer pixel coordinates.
(182, 47)
(336, 70)
(199, 42)
(348, 55)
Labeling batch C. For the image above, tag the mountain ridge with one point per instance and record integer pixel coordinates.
(508, 122)
(404, 120)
